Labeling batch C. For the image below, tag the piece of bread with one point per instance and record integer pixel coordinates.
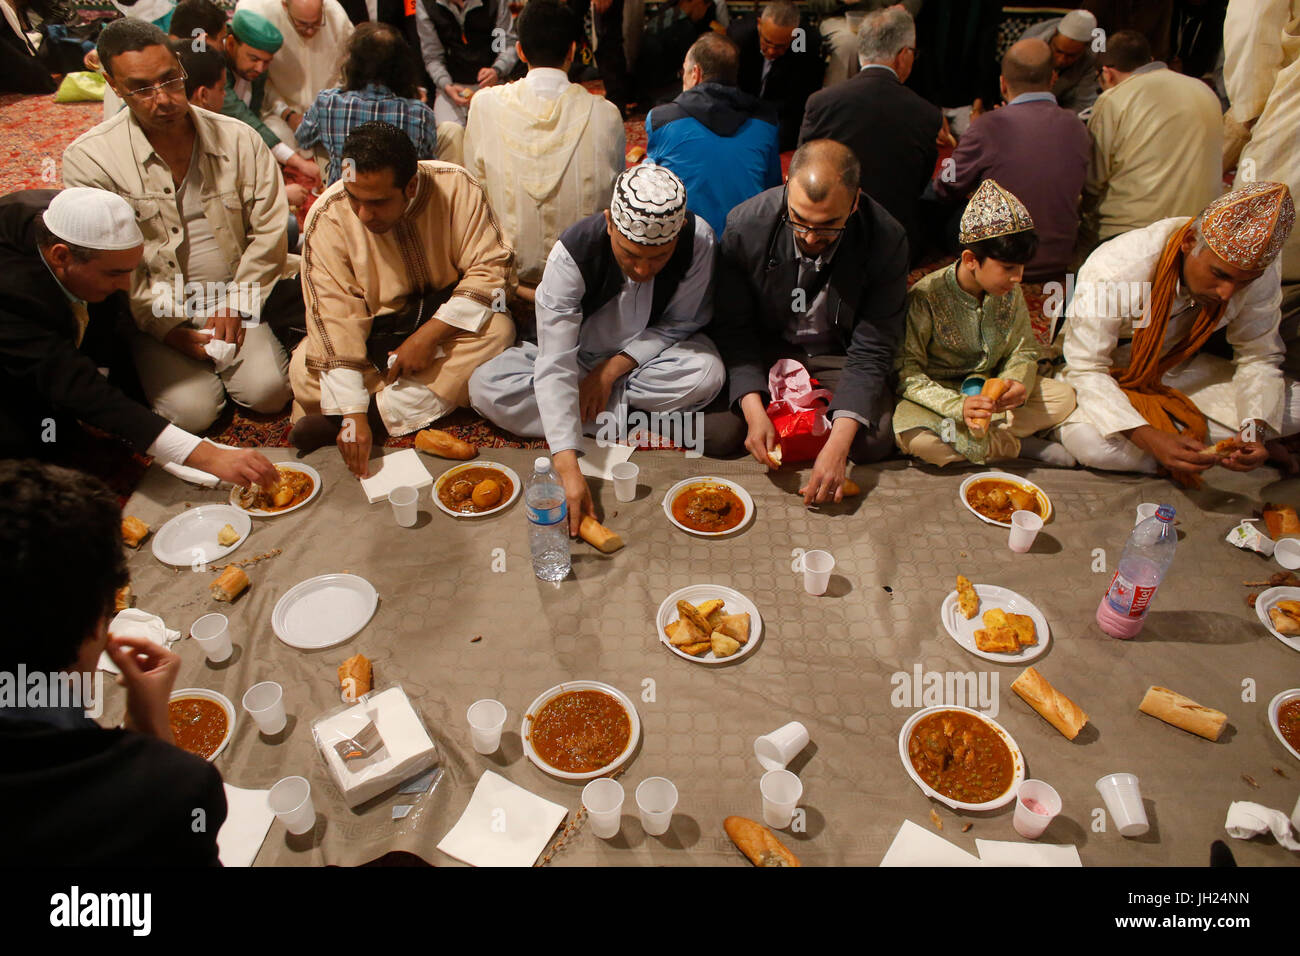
(735, 626)
(635, 155)
(230, 584)
(993, 390)
(1183, 713)
(775, 454)
(122, 599)
(133, 531)
(356, 676)
(967, 599)
(444, 445)
(695, 650)
(851, 488)
(1024, 628)
(1224, 448)
(758, 843)
(598, 536)
(1057, 709)
(1281, 521)
(997, 640)
(1283, 623)
(227, 535)
(723, 645)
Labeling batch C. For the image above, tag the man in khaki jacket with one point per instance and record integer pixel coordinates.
(210, 202)
(404, 277)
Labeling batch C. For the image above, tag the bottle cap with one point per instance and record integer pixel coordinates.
(541, 465)
(1165, 512)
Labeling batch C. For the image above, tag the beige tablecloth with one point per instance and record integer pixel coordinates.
(837, 662)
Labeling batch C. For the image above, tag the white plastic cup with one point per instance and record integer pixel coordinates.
(1025, 526)
(817, 567)
(1123, 799)
(290, 801)
(781, 791)
(656, 799)
(775, 750)
(265, 704)
(212, 632)
(603, 799)
(1037, 805)
(1145, 510)
(405, 500)
(625, 476)
(1287, 553)
(486, 718)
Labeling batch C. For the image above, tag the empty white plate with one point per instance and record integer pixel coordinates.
(190, 538)
(993, 596)
(324, 610)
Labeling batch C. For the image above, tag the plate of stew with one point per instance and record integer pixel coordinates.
(580, 729)
(203, 721)
(298, 485)
(992, 496)
(1284, 718)
(476, 489)
(961, 758)
(708, 506)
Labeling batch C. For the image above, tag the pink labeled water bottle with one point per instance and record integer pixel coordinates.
(1142, 566)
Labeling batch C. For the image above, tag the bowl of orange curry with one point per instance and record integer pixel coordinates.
(993, 496)
(961, 758)
(580, 730)
(203, 721)
(709, 507)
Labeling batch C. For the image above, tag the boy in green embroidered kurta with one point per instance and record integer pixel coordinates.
(969, 321)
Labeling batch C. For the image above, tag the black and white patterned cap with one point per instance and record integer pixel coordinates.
(649, 205)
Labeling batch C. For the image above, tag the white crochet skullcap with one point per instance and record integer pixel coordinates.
(94, 219)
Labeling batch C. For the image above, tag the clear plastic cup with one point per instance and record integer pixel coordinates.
(656, 798)
(603, 799)
(1037, 804)
(625, 476)
(1146, 510)
(486, 718)
(212, 632)
(1123, 798)
(1286, 552)
(290, 801)
(775, 750)
(817, 567)
(265, 704)
(1025, 526)
(781, 791)
(405, 502)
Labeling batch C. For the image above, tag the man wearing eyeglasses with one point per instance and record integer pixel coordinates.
(781, 62)
(815, 272)
(1071, 40)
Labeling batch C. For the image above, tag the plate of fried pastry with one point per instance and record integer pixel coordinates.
(994, 622)
(1279, 611)
(708, 624)
(298, 485)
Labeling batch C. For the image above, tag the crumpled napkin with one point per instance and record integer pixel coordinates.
(1246, 820)
(221, 353)
(134, 622)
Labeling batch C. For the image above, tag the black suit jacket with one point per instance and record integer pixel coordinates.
(792, 79)
(41, 369)
(892, 131)
(756, 273)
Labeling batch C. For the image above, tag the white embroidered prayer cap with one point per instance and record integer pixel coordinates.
(93, 219)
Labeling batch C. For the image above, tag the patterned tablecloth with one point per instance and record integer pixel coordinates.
(845, 664)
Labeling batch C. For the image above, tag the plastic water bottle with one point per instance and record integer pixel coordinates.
(1146, 559)
(549, 515)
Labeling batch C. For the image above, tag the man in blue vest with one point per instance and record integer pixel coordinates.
(465, 45)
(619, 310)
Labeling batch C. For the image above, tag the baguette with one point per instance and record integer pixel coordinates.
(1281, 521)
(122, 599)
(444, 445)
(1183, 713)
(758, 843)
(133, 531)
(1053, 706)
(775, 455)
(230, 585)
(356, 676)
(993, 390)
(598, 536)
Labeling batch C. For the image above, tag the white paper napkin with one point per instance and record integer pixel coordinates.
(1246, 820)
(193, 475)
(504, 825)
(407, 748)
(133, 622)
(598, 460)
(221, 352)
(394, 470)
(1003, 853)
(916, 846)
(248, 817)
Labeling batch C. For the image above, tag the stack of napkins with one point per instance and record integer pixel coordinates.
(392, 471)
(504, 825)
(916, 846)
(394, 745)
(248, 817)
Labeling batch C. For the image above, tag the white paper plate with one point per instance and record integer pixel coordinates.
(191, 536)
(741, 493)
(324, 610)
(545, 696)
(221, 699)
(736, 603)
(261, 513)
(1266, 601)
(1017, 760)
(993, 596)
(1274, 705)
(1044, 502)
(450, 475)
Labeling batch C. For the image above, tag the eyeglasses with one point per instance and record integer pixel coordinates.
(304, 25)
(158, 89)
(816, 232)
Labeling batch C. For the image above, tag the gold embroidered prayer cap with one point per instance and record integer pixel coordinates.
(992, 212)
(1247, 227)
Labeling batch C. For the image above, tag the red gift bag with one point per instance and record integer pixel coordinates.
(798, 410)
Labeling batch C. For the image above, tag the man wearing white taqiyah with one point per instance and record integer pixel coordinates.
(60, 251)
(619, 310)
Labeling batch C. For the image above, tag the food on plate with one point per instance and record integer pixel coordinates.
(598, 536)
(758, 843)
(1281, 520)
(722, 644)
(709, 507)
(704, 627)
(1288, 722)
(133, 531)
(227, 535)
(961, 756)
(1005, 633)
(462, 490)
(293, 488)
(579, 731)
(122, 599)
(198, 724)
(1285, 616)
(1057, 709)
(967, 599)
(444, 445)
(1025, 632)
(996, 499)
(993, 389)
(356, 675)
(1183, 713)
(997, 640)
(230, 584)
